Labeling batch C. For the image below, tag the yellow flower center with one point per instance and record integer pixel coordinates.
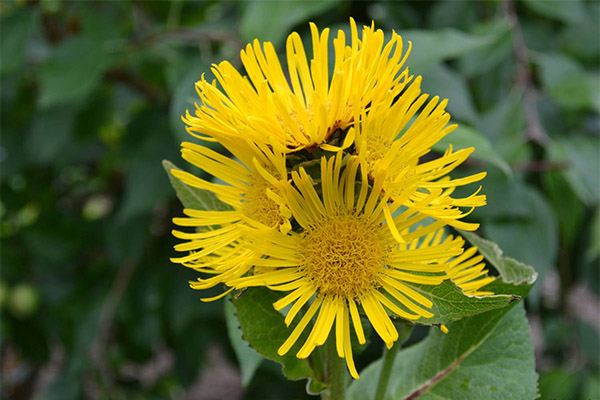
(376, 150)
(258, 206)
(344, 256)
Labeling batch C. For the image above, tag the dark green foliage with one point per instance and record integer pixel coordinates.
(91, 99)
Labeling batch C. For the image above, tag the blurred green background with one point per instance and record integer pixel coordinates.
(91, 98)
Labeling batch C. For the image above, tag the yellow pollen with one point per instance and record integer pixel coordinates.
(344, 256)
(258, 206)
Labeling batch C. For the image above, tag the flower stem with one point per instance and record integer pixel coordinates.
(336, 371)
(389, 356)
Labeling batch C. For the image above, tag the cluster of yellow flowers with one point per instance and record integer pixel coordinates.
(327, 190)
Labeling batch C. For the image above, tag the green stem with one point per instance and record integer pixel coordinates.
(389, 356)
(335, 370)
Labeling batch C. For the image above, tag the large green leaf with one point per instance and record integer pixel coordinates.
(272, 20)
(265, 331)
(248, 358)
(488, 356)
(464, 137)
(190, 197)
(73, 71)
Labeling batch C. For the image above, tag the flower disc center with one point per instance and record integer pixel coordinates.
(258, 206)
(344, 256)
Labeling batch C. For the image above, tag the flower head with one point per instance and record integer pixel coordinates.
(330, 193)
(306, 110)
(344, 256)
(218, 248)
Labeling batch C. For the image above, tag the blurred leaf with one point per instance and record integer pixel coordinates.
(263, 328)
(451, 14)
(72, 71)
(583, 173)
(571, 11)
(464, 137)
(504, 125)
(501, 191)
(533, 240)
(483, 60)
(558, 384)
(568, 207)
(575, 37)
(591, 389)
(248, 358)
(51, 134)
(431, 47)
(593, 251)
(15, 31)
(185, 97)
(506, 119)
(568, 83)
(147, 144)
(443, 81)
(190, 197)
(486, 356)
(281, 16)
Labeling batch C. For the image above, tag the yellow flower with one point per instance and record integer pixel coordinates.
(394, 135)
(218, 246)
(344, 256)
(313, 106)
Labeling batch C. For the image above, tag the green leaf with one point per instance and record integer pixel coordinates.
(73, 71)
(488, 356)
(482, 61)
(510, 270)
(15, 31)
(534, 239)
(593, 251)
(571, 11)
(465, 137)
(263, 328)
(144, 188)
(50, 134)
(583, 172)
(432, 47)
(281, 17)
(190, 197)
(443, 81)
(568, 83)
(451, 304)
(558, 384)
(185, 97)
(568, 207)
(248, 358)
